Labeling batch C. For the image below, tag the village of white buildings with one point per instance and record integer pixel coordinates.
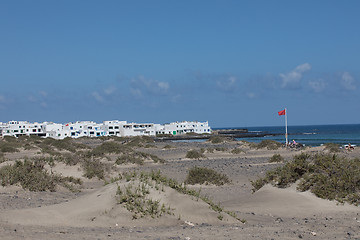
(106, 128)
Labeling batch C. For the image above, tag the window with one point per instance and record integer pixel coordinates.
(111, 127)
(72, 134)
(116, 127)
(91, 132)
(34, 130)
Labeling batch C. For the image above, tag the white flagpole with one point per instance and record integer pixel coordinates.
(286, 131)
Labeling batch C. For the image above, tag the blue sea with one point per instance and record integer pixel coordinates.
(315, 135)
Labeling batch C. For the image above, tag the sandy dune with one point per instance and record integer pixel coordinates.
(270, 213)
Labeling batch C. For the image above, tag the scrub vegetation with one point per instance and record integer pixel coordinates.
(332, 147)
(194, 154)
(328, 176)
(219, 139)
(200, 175)
(276, 158)
(94, 157)
(30, 174)
(134, 197)
(269, 144)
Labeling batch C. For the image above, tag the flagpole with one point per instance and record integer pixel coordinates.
(286, 131)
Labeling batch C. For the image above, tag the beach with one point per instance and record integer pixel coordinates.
(95, 213)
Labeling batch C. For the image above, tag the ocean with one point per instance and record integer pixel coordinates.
(312, 135)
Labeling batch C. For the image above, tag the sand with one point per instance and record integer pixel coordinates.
(94, 213)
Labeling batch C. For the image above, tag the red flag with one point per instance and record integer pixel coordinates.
(282, 112)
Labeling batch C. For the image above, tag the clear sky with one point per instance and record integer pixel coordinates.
(232, 63)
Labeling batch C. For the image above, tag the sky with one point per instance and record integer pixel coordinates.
(232, 63)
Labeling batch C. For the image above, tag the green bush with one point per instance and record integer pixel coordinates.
(194, 154)
(276, 158)
(199, 175)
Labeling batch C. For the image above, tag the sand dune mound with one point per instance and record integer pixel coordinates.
(287, 203)
(101, 208)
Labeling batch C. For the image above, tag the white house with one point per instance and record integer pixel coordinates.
(178, 128)
(138, 129)
(21, 128)
(107, 128)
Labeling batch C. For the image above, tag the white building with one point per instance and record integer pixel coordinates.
(138, 129)
(178, 128)
(21, 128)
(107, 128)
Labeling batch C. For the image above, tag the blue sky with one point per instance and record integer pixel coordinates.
(232, 63)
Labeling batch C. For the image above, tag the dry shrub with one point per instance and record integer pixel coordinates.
(327, 176)
(269, 144)
(194, 154)
(200, 175)
(276, 158)
(93, 168)
(32, 175)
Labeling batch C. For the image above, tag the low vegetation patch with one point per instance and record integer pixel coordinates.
(332, 147)
(94, 168)
(32, 175)
(200, 175)
(138, 158)
(221, 149)
(139, 141)
(237, 151)
(108, 148)
(328, 176)
(269, 144)
(156, 180)
(136, 200)
(194, 154)
(217, 139)
(8, 147)
(167, 146)
(276, 158)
